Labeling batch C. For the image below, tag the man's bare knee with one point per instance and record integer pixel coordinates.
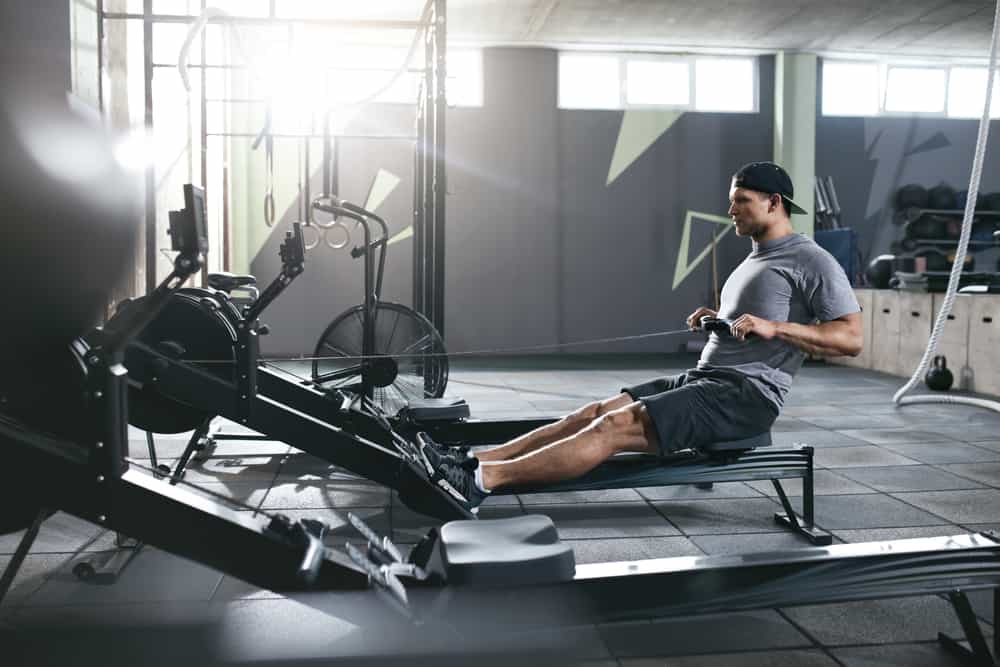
(628, 428)
(621, 419)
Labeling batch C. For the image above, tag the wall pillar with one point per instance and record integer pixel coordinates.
(795, 128)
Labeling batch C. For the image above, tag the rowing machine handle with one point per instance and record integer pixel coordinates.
(719, 325)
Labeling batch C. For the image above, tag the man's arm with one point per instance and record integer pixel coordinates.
(842, 336)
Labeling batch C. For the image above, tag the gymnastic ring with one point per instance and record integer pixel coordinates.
(327, 235)
(321, 199)
(269, 209)
(309, 245)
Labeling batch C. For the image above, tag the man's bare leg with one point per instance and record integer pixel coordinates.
(627, 428)
(543, 436)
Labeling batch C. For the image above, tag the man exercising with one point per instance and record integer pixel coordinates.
(788, 298)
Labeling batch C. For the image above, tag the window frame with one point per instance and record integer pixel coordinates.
(688, 59)
(887, 69)
(884, 66)
(755, 83)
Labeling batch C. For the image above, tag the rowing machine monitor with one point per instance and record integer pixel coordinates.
(188, 231)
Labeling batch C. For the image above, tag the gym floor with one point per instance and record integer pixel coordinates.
(882, 473)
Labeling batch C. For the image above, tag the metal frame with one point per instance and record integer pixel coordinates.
(687, 586)
(430, 179)
(429, 136)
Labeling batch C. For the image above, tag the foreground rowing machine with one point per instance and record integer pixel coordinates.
(518, 569)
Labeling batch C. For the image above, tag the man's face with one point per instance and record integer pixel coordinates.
(751, 211)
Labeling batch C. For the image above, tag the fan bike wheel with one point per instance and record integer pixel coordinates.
(400, 371)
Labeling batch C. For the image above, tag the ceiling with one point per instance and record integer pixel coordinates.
(936, 28)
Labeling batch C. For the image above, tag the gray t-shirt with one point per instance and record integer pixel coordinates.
(790, 279)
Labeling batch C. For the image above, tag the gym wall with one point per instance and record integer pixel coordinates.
(541, 249)
(870, 158)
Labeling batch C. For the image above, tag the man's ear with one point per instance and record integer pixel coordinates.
(774, 201)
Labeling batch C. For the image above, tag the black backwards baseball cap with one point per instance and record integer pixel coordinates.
(769, 178)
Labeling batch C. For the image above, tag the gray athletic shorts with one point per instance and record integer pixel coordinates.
(696, 408)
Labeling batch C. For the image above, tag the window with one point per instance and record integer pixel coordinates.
(629, 81)
(915, 89)
(967, 93)
(465, 78)
(887, 89)
(725, 84)
(850, 89)
(660, 82)
(589, 82)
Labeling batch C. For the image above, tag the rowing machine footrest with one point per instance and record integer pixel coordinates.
(435, 410)
(760, 440)
(518, 551)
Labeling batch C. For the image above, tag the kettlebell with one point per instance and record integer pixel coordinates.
(939, 378)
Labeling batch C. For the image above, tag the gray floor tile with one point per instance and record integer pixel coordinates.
(598, 496)
(974, 432)
(909, 478)
(743, 631)
(945, 452)
(825, 483)
(244, 494)
(816, 437)
(846, 397)
(559, 406)
(231, 468)
(885, 534)
(857, 422)
(877, 621)
(62, 533)
(987, 473)
(897, 655)
(793, 658)
(983, 527)
(807, 411)
(691, 492)
(231, 589)
(749, 543)
(341, 629)
(178, 633)
(886, 436)
(610, 520)
(151, 576)
(317, 495)
(34, 571)
(906, 412)
(981, 506)
(866, 456)
(991, 443)
(722, 517)
(631, 548)
(786, 424)
(870, 511)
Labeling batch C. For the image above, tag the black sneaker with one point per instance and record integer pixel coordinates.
(435, 454)
(458, 479)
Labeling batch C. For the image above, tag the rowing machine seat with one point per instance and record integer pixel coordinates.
(753, 442)
(434, 409)
(524, 549)
(226, 281)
